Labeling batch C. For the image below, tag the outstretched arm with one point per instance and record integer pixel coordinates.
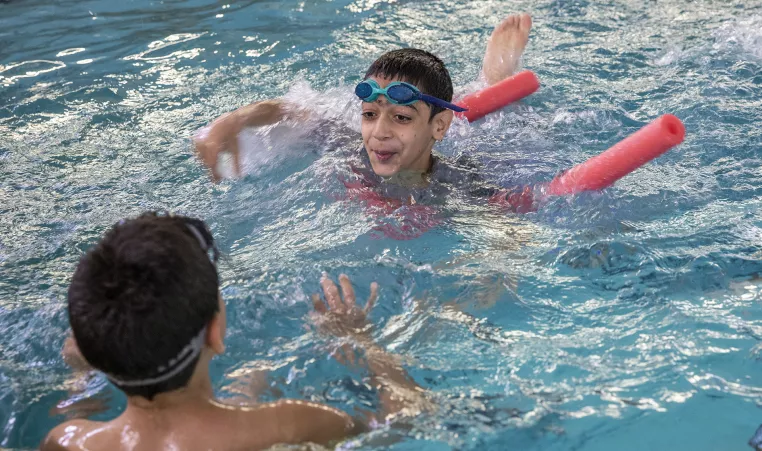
(342, 317)
(505, 46)
(222, 134)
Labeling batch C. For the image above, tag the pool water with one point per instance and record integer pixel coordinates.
(628, 319)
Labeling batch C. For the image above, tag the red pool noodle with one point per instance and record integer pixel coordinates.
(624, 157)
(499, 95)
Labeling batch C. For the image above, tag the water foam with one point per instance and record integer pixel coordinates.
(744, 34)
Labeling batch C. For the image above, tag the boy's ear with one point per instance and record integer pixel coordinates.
(215, 334)
(441, 123)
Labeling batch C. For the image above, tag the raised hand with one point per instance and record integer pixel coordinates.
(340, 315)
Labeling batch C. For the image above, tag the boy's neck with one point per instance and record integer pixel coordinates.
(198, 390)
(414, 177)
(426, 160)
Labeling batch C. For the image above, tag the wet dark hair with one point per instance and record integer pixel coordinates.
(141, 296)
(417, 67)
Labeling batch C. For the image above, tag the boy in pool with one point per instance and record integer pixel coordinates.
(406, 109)
(145, 309)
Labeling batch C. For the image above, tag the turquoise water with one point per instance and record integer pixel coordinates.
(623, 320)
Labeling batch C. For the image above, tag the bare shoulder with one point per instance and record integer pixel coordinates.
(65, 435)
(293, 421)
(294, 409)
(317, 423)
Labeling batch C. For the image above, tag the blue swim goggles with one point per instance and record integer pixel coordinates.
(399, 93)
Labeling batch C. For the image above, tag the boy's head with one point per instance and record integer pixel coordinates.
(144, 303)
(401, 137)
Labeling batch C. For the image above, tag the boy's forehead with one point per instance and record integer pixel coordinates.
(384, 103)
(384, 81)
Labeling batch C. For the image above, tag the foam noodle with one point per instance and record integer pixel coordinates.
(499, 95)
(629, 154)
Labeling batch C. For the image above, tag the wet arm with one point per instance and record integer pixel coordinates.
(222, 134)
(341, 317)
(398, 392)
(300, 422)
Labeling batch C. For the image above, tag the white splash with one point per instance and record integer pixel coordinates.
(745, 34)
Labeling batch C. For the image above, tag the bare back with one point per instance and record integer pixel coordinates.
(213, 426)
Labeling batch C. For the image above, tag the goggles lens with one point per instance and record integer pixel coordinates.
(401, 94)
(364, 90)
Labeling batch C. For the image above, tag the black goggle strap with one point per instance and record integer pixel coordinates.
(205, 239)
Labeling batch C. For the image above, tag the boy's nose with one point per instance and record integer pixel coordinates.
(382, 129)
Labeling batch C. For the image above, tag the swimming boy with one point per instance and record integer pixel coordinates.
(406, 109)
(145, 309)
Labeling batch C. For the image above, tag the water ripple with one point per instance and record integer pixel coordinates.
(603, 320)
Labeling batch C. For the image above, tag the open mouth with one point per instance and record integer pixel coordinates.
(384, 155)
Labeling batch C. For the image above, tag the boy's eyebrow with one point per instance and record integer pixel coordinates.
(379, 102)
(412, 105)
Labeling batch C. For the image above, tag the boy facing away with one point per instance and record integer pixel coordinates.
(145, 309)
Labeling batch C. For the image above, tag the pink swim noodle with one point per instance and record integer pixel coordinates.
(624, 157)
(499, 95)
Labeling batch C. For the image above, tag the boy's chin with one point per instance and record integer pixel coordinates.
(385, 170)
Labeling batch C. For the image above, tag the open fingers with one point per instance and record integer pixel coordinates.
(331, 293)
(372, 298)
(318, 304)
(347, 291)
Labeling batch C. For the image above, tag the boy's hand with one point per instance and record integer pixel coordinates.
(397, 392)
(342, 317)
(221, 136)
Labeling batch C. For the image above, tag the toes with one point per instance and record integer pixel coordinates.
(506, 24)
(520, 21)
(525, 22)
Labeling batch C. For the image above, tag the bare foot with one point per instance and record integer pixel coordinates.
(505, 47)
